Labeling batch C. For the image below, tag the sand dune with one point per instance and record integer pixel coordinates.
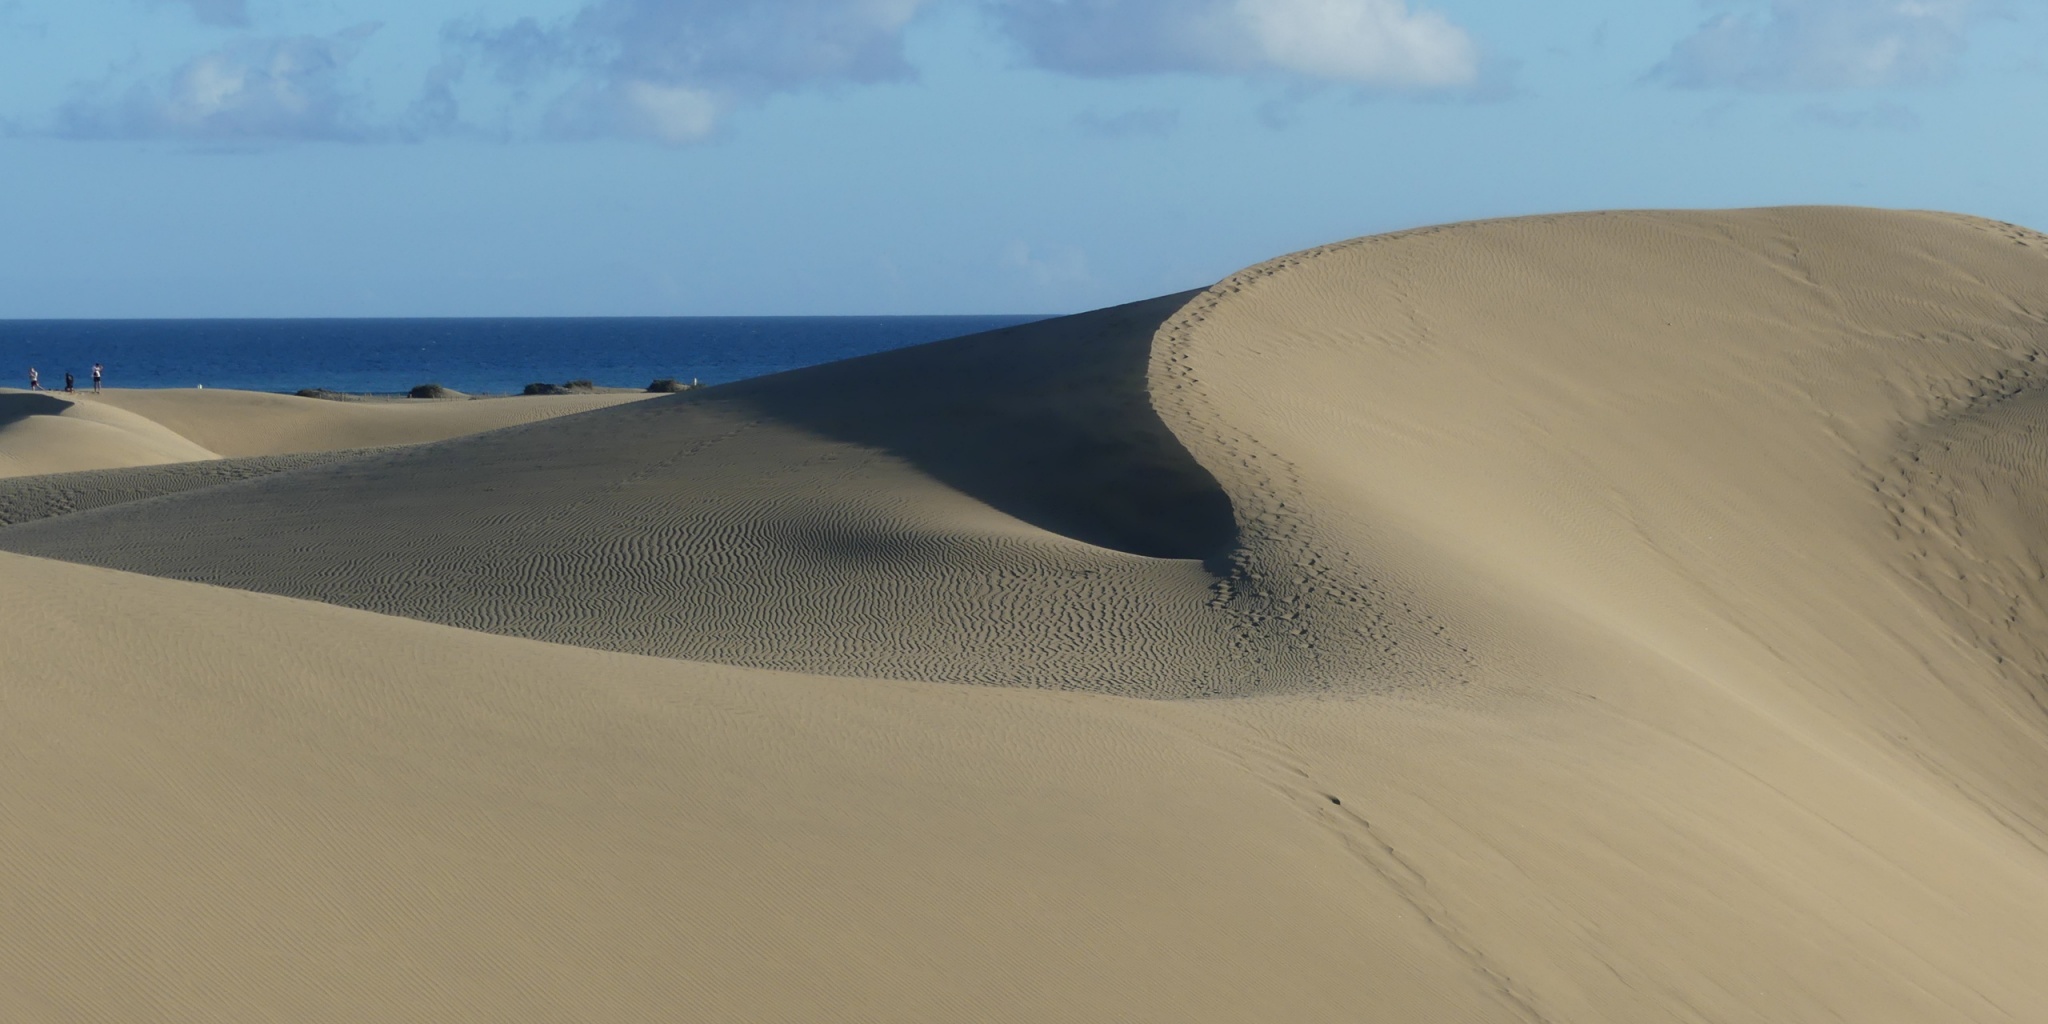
(232, 807)
(1634, 617)
(61, 454)
(879, 517)
(238, 423)
(47, 433)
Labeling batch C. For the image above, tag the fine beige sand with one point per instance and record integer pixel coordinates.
(53, 433)
(49, 432)
(242, 423)
(1616, 617)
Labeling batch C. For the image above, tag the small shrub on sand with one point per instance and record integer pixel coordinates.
(431, 391)
(545, 389)
(670, 385)
(581, 385)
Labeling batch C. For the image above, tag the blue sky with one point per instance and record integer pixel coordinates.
(653, 157)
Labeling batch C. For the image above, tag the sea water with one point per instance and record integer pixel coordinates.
(478, 356)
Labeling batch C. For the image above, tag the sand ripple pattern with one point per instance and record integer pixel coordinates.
(1007, 510)
(28, 498)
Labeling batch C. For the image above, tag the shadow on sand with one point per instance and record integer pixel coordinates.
(1049, 422)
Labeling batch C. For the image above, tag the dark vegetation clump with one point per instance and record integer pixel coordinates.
(431, 391)
(315, 393)
(670, 385)
(545, 389)
(581, 385)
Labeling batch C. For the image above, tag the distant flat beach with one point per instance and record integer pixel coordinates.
(1600, 617)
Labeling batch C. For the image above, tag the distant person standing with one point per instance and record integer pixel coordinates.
(35, 380)
(70, 383)
(96, 371)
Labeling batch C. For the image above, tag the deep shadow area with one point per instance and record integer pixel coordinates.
(15, 408)
(1049, 422)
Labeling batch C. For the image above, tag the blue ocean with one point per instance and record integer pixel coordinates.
(478, 356)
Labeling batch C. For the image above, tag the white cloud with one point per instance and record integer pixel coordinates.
(1820, 45)
(672, 113)
(275, 88)
(674, 71)
(670, 70)
(1381, 43)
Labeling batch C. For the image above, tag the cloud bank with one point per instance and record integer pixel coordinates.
(669, 70)
(291, 87)
(1821, 45)
(673, 71)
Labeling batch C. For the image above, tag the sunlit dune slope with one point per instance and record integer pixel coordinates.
(232, 807)
(1703, 439)
(49, 433)
(237, 423)
(65, 454)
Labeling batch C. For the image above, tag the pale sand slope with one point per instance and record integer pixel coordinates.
(1658, 592)
(45, 433)
(237, 423)
(53, 433)
(232, 807)
(62, 454)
